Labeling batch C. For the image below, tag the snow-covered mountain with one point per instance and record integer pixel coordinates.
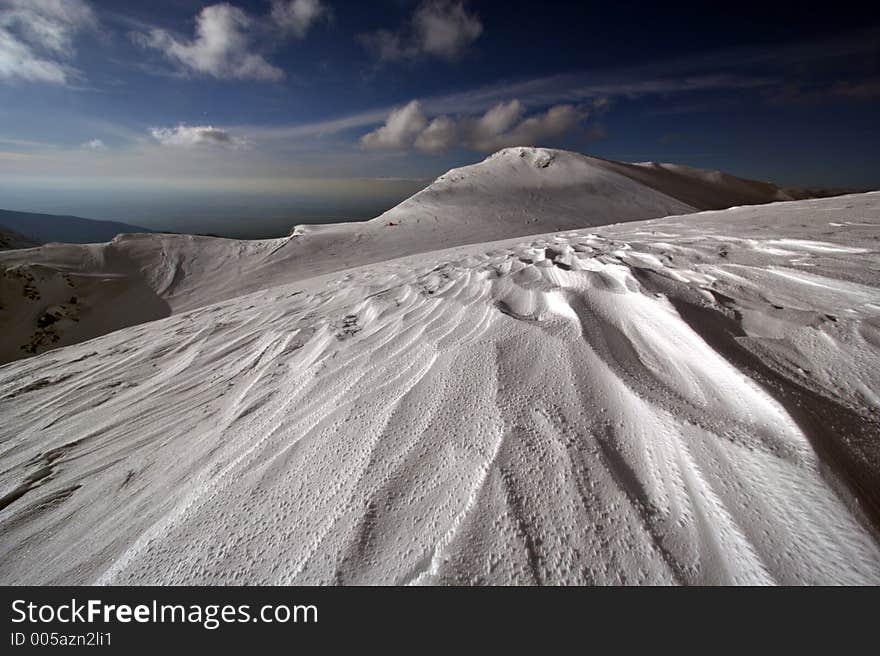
(63, 294)
(691, 399)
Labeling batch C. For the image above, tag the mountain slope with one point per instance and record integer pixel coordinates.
(45, 228)
(516, 192)
(692, 399)
(706, 190)
(10, 240)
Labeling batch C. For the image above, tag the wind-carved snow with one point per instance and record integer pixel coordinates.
(648, 403)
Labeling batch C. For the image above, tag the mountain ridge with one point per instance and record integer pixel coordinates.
(515, 192)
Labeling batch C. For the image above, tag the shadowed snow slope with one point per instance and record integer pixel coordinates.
(516, 192)
(9, 239)
(683, 400)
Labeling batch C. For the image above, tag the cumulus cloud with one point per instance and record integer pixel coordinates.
(297, 16)
(444, 29)
(555, 122)
(94, 144)
(438, 28)
(196, 135)
(222, 46)
(440, 135)
(501, 126)
(482, 132)
(401, 129)
(37, 36)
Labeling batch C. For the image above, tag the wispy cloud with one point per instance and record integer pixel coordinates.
(574, 89)
(37, 38)
(811, 93)
(316, 128)
(25, 143)
(438, 28)
(721, 70)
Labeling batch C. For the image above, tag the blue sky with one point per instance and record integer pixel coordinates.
(241, 117)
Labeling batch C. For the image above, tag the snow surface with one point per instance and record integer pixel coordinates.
(516, 192)
(691, 399)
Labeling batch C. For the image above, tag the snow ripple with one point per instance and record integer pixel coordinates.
(557, 411)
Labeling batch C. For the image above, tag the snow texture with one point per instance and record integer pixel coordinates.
(692, 399)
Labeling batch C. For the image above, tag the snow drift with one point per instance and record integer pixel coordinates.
(683, 400)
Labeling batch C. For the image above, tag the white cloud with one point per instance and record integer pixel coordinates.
(221, 47)
(495, 134)
(498, 120)
(401, 129)
(440, 135)
(501, 126)
(94, 144)
(19, 61)
(196, 135)
(445, 29)
(36, 38)
(438, 28)
(297, 16)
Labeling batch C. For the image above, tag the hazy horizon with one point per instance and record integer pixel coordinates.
(264, 208)
(227, 213)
